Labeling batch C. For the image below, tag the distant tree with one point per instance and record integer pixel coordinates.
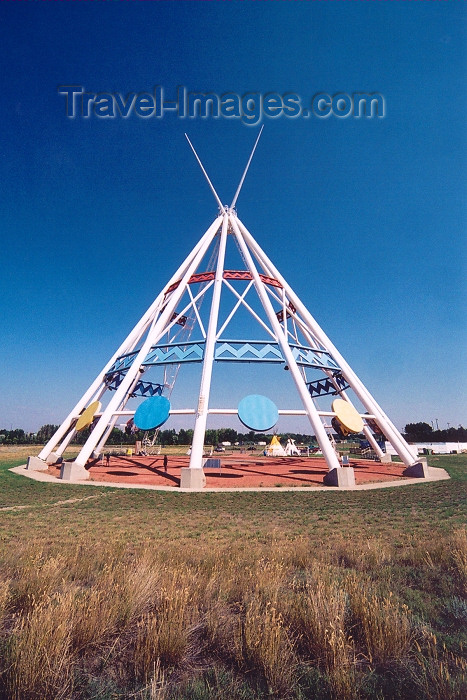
(168, 437)
(227, 435)
(299, 438)
(81, 436)
(450, 435)
(211, 437)
(119, 437)
(17, 436)
(419, 432)
(45, 433)
(185, 437)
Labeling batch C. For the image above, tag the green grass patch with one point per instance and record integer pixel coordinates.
(301, 595)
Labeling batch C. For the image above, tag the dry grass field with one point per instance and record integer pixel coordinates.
(114, 594)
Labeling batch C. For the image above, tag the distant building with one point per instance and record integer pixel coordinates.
(437, 448)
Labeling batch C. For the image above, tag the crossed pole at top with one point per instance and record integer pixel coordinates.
(222, 207)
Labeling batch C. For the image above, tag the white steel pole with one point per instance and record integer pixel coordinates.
(69, 437)
(342, 393)
(372, 441)
(100, 446)
(155, 332)
(205, 386)
(65, 442)
(216, 196)
(127, 345)
(313, 416)
(98, 384)
(234, 200)
(366, 430)
(391, 432)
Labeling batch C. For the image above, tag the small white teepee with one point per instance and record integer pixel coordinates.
(291, 448)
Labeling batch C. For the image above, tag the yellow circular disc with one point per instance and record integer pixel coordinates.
(347, 415)
(85, 419)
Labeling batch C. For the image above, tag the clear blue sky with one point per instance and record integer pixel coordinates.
(366, 218)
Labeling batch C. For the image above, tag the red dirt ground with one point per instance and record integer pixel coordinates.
(237, 471)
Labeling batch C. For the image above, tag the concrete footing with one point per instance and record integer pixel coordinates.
(386, 458)
(70, 471)
(342, 476)
(419, 470)
(53, 458)
(192, 479)
(35, 464)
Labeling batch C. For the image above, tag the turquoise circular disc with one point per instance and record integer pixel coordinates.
(152, 413)
(258, 412)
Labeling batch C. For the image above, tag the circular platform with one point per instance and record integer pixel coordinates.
(237, 472)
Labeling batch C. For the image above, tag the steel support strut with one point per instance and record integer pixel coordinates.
(391, 432)
(155, 332)
(314, 418)
(205, 386)
(128, 344)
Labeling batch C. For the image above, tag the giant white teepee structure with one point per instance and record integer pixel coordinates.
(191, 321)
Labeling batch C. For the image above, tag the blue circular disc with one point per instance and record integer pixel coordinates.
(152, 413)
(258, 412)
